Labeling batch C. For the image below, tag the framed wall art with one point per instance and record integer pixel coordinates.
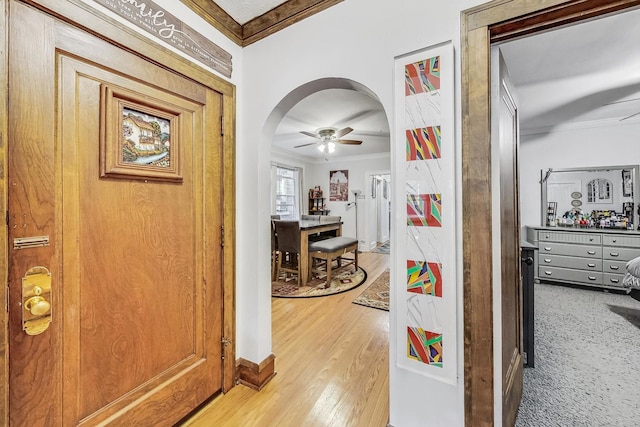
(139, 137)
(426, 290)
(339, 186)
(627, 183)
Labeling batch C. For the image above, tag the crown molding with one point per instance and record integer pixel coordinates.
(278, 18)
(218, 18)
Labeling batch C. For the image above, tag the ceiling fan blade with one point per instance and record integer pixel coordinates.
(304, 145)
(349, 141)
(311, 134)
(624, 100)
(343, 132)
(633, 115)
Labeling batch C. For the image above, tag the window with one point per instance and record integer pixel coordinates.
(287, 192)
(599, 191)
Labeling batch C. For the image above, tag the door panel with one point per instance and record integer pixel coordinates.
(136, 271)
(506, 111)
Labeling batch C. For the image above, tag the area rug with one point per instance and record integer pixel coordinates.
(384, 248)
(377, 294)
(340, 282)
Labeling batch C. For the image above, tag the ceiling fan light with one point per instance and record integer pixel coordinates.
(321, 147)
(331, 146)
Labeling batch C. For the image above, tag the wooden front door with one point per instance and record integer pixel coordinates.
(134, 249)
(504, 114)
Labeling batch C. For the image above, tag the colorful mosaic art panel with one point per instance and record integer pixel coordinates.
(424, 346)
(424, 210)
(424, 278)
(423, 144)
(422, 76)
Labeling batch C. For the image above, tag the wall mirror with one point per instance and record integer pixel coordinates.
(594, 192)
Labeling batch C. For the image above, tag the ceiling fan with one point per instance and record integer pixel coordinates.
(328, 138)
(623, 101)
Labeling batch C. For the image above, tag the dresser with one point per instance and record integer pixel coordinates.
(591, 257)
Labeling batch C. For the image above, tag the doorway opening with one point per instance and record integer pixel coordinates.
(563, 130)
(379, 221)
(482, 26)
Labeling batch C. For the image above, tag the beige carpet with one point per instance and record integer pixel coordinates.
(377, 294)
(341, 282)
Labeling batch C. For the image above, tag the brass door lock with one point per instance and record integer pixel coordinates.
(36, 300)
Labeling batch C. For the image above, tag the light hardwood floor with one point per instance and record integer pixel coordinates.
(332, 364)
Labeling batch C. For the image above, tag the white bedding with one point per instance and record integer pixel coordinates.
(632, 278)
(631, 281)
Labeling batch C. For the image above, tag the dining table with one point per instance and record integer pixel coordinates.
(310, 227)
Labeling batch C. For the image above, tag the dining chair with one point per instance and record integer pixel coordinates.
(325, 234)
(274, 248)
(329, 250)
(309, 217)
(288, 242)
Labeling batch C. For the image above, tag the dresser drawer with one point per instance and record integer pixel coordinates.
(551, 248)
(568, 237)
(590, 264)
(617, 240)
(609, 279)
(570, 275)
(614, 267)
(619, 254)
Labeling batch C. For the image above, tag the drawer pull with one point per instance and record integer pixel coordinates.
(546, 248)
(616, 254)
(591, 239)
(548, 273)
(614, 267)
(590, 265)
(592, 277)
(615, 240)
(547, 260)
(614, 280)
(591, 252)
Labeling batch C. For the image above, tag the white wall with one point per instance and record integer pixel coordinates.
(597, 144)
(356, 40)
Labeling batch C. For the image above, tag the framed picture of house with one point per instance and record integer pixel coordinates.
(138, 137)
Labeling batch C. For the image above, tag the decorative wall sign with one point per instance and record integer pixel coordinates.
(150, 17)
(339, 186)
(426, 311)
(139, 137)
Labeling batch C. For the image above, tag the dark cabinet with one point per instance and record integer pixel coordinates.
(527, 257)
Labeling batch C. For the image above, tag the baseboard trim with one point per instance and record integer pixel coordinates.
(254, 375)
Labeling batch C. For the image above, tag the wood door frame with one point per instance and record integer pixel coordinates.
(79, 14)
(4, 261)
(498, 20)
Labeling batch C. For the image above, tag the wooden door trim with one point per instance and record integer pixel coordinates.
(82, 16)
(4, 123)
(497, 20)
